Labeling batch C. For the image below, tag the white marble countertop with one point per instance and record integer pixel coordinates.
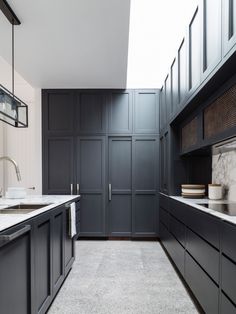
(196, 203)
(9, 220)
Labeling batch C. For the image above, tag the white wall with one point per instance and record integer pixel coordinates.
(23, 145)
(156, 31)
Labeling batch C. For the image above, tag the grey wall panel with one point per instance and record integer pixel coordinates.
(120, 112)
(91, 112)
(58, 174)
(146, 112)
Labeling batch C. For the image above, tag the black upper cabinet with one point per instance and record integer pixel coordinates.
(58, 165)
(58, 112)
(229, 25)
(164, 163)
(168, 97)
(182, 69)
(146, 112)
(174, 86)
(162, 108)
(91, 112)
(194, 53)
(211, 37)
(16, 262)
(120, 112)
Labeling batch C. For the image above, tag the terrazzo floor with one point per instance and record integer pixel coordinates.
(122, 277)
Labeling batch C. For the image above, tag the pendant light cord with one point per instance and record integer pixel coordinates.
(13, 61)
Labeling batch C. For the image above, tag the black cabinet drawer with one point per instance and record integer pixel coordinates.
(204, 289)
(164, 217)
(207, 256)
(177, 229)
(229, 278)
(177, 209)
(227, 306)
(228, 236)
(164, 201)
(174, 249)
(203, 224)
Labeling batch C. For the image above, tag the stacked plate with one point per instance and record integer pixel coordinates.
(193, 190)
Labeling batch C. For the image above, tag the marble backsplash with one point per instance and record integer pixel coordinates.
(224, 172)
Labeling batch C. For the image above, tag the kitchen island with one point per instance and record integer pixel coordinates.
(36, 251)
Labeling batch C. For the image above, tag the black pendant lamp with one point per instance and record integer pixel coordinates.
(13, 111)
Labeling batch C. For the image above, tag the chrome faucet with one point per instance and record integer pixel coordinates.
(15, 165)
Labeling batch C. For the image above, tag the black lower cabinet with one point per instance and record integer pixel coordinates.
(16, 270)
(35, 258)
(204, 289)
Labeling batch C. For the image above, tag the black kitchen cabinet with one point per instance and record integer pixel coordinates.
(211, 37)
(58, 155)
(43, 262)
(194, 53)
(174, 87)
(120, 186)
(146, 112)
(80, 163)
(164, 163)
(163, 116)
(168, 98)
(69, 244)
(91, 180)
(182, 70)
(229, 25)
(145, 185)
(16, 270)
(120, 112)
(91, 117)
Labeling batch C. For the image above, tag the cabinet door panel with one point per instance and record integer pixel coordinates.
(227, 306)
(174, 86)
(58, 165)
(182, 66)
(120, 112)
(91, 178)
(194, 61)
(211, 35)
(229, 25)
(68, 245)
(145, 160)
(146, 109)
(120, 179)
(43, 258)
(91, 112)
(58, 249)
(15, 275)
(58, 112)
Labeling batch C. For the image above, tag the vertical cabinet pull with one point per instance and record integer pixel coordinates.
(71, 189)
(109, 191)
(77, 188)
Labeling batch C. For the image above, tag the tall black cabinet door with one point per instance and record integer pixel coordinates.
(15, 272)
(91, 180)
(145, 183)
(120, 186)
(58, 165)
(120, 105)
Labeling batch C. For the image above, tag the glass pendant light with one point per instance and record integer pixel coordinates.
(13, 111)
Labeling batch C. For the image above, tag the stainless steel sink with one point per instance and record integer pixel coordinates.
(22, 208)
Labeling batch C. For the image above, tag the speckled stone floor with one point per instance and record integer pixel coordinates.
(122, 277)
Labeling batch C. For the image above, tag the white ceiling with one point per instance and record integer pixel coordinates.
(69, 44)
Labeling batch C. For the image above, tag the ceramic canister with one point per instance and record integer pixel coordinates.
(215, 191)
